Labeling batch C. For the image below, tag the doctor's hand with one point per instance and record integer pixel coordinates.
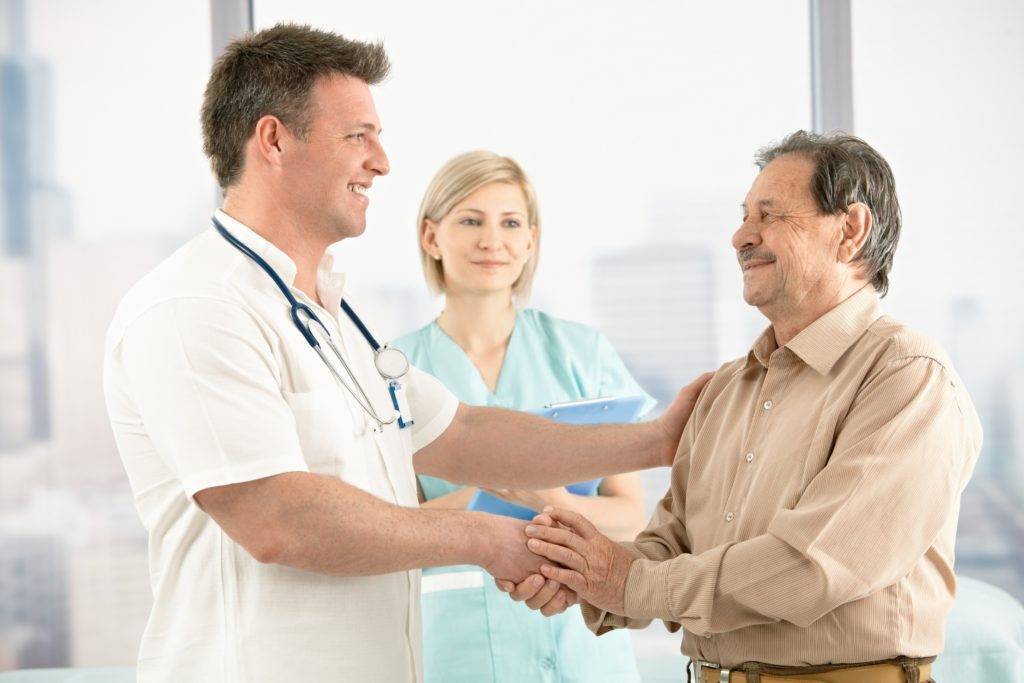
(503, 551)
(675, 417)
(582, 558)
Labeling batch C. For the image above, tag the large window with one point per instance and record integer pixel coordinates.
(637, 124)
(103, 174)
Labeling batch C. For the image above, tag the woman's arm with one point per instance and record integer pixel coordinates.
(617, 510)
(456, 500)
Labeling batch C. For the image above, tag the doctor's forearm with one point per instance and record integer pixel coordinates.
(321, 524)
(504, 448)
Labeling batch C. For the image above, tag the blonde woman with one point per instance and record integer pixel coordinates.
(479, 234)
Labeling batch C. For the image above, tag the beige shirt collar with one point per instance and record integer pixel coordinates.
(822, 343)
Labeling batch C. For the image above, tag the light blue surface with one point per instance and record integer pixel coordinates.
(479, 635)
(984, 636)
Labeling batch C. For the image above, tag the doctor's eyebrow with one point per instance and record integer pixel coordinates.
(368, 127)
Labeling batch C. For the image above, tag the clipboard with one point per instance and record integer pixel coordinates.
(589, 411)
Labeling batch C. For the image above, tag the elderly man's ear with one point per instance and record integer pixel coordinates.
(856, 228)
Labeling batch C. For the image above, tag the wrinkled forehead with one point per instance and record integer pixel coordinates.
(785, 179)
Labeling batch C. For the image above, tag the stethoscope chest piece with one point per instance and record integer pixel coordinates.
(391, 363)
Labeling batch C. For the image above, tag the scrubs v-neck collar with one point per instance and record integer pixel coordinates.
(509, 365)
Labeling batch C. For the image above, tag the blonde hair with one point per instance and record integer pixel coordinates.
(460, 177)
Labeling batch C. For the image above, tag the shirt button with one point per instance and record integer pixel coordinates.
(768, 404)
(750, 457)
(707, 634)
(729, 516)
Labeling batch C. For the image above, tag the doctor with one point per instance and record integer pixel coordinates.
(256, 419)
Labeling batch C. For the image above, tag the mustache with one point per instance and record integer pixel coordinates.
(751, 254)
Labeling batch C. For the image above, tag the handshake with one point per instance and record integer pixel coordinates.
(558, 559)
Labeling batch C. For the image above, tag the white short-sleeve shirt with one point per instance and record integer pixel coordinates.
(208, 383)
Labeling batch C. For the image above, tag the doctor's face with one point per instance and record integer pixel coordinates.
(485, 240)
(329, 174)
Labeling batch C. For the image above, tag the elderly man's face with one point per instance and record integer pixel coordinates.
(786, 248)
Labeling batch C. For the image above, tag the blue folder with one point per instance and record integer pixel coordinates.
(586, 412)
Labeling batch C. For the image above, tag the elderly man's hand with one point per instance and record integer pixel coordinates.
(593, 566)
(674, 419)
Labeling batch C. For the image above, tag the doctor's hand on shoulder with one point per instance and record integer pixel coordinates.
(677, 414)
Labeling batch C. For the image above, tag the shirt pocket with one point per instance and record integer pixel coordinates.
(327, 434)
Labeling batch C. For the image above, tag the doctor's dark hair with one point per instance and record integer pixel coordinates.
(273, 72)
(849, 170)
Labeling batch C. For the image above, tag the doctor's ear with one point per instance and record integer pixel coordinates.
(268, 138)
(857, 225)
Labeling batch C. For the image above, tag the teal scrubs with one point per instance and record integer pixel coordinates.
(473, 632)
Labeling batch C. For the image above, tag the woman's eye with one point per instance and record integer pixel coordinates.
(511, 223)
(470, 221)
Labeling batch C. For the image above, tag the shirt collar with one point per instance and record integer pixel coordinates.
(329, 284)
(822, 343)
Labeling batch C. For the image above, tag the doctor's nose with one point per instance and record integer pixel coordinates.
(378, 162)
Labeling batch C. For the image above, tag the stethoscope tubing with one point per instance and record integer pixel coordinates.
(298, 308)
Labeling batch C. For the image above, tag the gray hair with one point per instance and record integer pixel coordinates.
(848, 170)
(273, 72)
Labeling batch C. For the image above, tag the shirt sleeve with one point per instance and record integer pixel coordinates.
(207, 388)
(615, 379)
(900, 460)
(433, 407)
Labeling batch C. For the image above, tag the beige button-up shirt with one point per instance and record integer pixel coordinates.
(813, 502)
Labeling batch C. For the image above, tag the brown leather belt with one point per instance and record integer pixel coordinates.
(900, 670)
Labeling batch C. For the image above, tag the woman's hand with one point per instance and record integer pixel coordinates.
(535, 500)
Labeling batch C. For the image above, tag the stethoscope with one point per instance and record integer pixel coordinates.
(390, 362)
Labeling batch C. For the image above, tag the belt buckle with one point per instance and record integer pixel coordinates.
(723, 673)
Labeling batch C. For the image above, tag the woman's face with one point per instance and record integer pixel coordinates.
(484, 241)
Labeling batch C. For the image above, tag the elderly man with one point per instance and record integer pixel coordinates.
(810, 523)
